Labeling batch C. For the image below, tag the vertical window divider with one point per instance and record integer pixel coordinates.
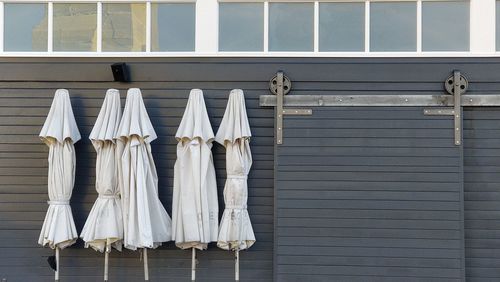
(367, 26)
(207, 27)
(316, 26)
(148, 26)
(266, 26)
(419, 26)
(2, 15)
(482, 23)
(50, 26)
(99, 28)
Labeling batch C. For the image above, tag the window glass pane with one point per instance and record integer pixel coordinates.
(123, 27)
(393, 26)
(25, 27)
(291, 26)
(75, 27)
(342, 27)
(172, 27)
(241, 27)
(440, 21)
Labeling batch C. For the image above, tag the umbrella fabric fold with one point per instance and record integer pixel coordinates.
(194, 205)
(59, 133)
(146, 222)
(235, 232)
(104, 226)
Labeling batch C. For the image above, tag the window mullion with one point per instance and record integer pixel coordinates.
(367, 26)
(99, 28)
(316, 26)
(482, 26)
(50, 26)
(148, 26)
(206, 35)
(419, 26)
(266, 26)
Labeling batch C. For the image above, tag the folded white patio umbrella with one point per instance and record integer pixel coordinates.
(194, 205)
(235, 232)
(59, 133)
(146, 222)
(104, 226)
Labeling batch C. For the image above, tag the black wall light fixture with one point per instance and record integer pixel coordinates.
(120, 72)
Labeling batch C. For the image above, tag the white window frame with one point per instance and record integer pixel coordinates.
(482, 32)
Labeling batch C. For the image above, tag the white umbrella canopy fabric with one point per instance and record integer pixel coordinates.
(59, 133)
(104, 226)
(234, 134)
(146, 222)
(236, 232)
(194, 205)
(195, 209)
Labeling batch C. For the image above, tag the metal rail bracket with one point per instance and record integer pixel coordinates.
(447, 105)
(281, 85)
(455, 85)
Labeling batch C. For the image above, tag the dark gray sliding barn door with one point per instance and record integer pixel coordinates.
(382, 194)
(482, 192)
(369, 194)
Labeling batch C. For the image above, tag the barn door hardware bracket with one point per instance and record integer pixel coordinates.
(455, 85)
(280, 85)
(440, 104)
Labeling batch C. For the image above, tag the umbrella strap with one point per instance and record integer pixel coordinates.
(59, 203)
(234, 207)
(236, 176)
(109, 196)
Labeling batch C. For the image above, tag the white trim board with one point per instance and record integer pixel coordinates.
(250, 54)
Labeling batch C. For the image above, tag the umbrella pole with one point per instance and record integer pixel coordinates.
(146, 268)
(237, 265)
(106, 262)
(57, 264)
(193, 264)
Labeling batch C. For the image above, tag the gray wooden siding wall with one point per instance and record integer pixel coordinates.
(26, 91)
(376, 197)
